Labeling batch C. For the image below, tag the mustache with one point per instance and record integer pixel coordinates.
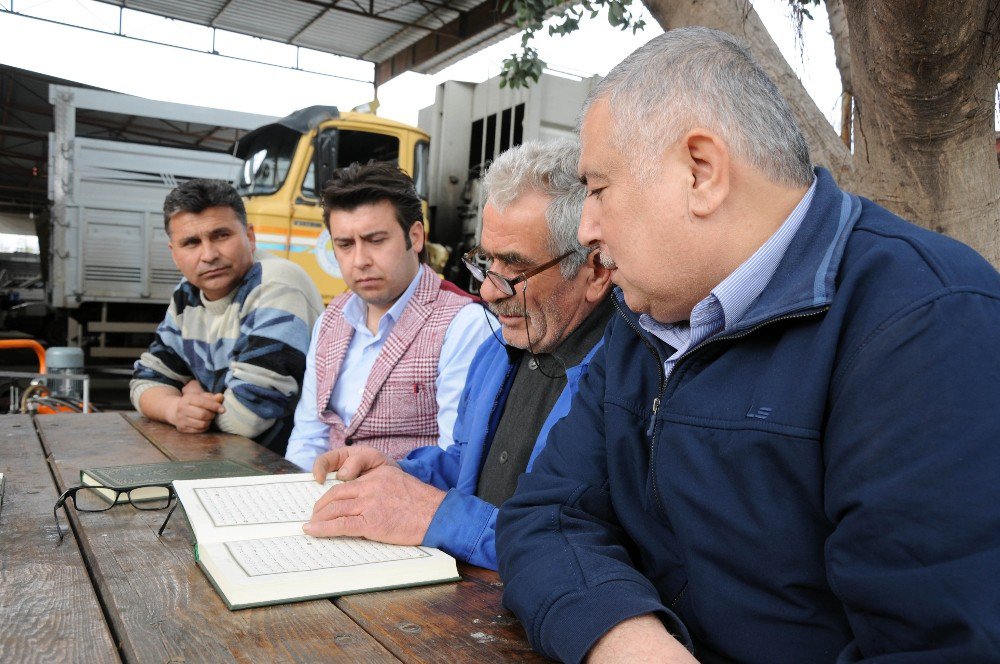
(606, 261)
(506, 308)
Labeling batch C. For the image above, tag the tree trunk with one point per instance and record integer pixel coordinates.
(840, 33)
(737, 17)
(924, 77)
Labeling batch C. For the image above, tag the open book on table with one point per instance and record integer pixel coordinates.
(250, 544)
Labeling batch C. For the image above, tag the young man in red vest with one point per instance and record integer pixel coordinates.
(388, 359)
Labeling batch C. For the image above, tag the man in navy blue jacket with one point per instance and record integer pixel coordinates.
(787, 448)
(552, 301)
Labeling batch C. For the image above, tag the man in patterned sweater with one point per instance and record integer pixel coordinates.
(231, 350)
(388, 359)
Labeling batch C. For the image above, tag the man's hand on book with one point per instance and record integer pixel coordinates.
(384, 504)
(349, 462)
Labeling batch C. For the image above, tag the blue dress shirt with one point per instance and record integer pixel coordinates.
(467, 331)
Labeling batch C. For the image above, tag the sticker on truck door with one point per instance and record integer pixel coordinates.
(324, 255)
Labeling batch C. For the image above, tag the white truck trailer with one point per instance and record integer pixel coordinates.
(109, 268)
(470, 124)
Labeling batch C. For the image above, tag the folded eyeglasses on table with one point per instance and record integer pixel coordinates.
(96, 498)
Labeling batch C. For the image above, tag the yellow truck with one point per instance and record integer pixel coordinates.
(284, 161)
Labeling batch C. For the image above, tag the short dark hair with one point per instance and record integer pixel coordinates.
(200, 194)
(362, 184)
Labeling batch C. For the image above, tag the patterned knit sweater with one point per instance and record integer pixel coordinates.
(249, 345)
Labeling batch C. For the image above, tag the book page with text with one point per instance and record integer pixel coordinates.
(240, 508)
(299, 553)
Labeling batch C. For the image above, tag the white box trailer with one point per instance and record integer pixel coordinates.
(109, 267)
(471, 123)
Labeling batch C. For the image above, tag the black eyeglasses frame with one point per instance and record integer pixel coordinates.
(142, 505)
(504, 284)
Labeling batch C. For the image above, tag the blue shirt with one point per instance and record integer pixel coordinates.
(467, 331)
(728, 301)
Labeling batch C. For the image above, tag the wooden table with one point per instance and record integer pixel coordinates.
(113, 591)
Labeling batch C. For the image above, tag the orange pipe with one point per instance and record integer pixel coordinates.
(27, 343)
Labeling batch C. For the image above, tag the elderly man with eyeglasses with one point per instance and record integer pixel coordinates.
(550, 295)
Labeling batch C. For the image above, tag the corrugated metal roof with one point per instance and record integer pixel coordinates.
(381, 31)
(271, 21)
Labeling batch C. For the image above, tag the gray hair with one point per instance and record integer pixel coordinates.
(693, 77)
(549, 169)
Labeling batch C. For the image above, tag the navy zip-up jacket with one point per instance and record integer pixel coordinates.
(820, 483)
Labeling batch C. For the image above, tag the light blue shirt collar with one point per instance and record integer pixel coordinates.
(741, 288)
(356, 310)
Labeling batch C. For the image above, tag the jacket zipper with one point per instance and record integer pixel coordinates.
(743, 333)
(659, 364)
(675, 373)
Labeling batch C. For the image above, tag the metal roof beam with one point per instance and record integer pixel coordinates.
(476, 20)
(334, 5)
(26, 132)
(364, 14)
(220, 12)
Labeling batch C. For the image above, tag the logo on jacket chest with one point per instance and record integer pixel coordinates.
(761, 413)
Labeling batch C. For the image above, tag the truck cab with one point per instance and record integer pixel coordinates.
(285, 164)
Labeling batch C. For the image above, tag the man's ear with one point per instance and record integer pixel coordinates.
(417, 236)
(598, 278)
(251, 237)
(709, 163)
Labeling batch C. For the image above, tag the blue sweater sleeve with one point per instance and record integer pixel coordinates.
(465, 527)
(435, 466)
(568, 575)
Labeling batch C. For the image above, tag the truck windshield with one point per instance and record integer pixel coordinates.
(267, 159)
(355, 146)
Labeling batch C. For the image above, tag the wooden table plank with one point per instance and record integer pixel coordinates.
(210, 445)
(48, 609)
(160, 604)
(458, 622)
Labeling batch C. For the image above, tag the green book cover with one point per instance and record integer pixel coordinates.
(144, 474)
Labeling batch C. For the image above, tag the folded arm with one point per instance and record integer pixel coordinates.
(162, 387)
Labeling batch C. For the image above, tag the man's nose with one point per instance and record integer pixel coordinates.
(362, 255)
(589, 231)
(489, 291)
(209, 252)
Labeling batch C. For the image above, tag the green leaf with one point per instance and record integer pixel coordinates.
(522, 69)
